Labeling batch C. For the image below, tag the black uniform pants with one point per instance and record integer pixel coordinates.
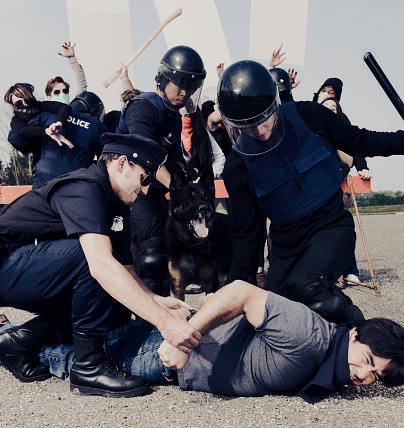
(53, 279)
(327, 253)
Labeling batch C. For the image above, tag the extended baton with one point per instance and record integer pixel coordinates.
(384, 83)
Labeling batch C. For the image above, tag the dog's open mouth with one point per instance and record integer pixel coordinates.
(198, 227)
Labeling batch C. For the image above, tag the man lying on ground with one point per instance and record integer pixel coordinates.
(253, 346)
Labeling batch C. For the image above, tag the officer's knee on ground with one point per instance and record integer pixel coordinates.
(319, 295)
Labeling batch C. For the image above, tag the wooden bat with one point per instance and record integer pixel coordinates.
(112, 77)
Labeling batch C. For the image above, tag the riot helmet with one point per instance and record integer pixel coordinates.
(248, 100)
(90, 103)
(282, 78)
(183, 67)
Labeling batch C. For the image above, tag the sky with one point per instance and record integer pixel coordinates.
(339, 33)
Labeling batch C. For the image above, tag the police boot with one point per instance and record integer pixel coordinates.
(19, 346)
(93, 374)
(317, 294)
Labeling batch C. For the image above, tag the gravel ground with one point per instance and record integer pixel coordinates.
(50, 403)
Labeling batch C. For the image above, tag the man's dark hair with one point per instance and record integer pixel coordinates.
(129, 93)
(52, 82)
(385, 339)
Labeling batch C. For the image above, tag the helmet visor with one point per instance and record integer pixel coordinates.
(259, 134)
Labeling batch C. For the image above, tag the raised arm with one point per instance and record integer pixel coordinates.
(79, 76)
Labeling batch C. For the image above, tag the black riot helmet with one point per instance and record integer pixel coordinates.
(248, 100)
(184, 67)
(282, 78)
(90, 103)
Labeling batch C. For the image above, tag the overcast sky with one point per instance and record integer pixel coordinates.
(339, 33)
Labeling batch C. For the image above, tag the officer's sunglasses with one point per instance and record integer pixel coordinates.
(19, 104)
(57, 91)
(145, 179)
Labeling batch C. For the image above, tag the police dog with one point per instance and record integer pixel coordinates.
(192, 250)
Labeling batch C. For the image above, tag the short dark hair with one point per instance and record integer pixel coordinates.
(129, 93)
(385, 339)
(52, 82)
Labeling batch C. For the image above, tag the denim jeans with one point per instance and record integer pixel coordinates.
(133, 347)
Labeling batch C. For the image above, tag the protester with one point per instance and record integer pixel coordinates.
(56, 88)
(251, 346)
(155, 115)
(198, 147)
(65, 255)
(26, 107)
(283, 168)
(80, 137)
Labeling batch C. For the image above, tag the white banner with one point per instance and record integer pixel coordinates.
(102, 31)
(200, 28)
(274, 22)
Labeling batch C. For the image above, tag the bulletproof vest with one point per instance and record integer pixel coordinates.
(81, 130)
(298, 176)
(30, 218)
(170, 123)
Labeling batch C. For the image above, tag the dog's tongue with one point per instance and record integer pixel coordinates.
(200, 227)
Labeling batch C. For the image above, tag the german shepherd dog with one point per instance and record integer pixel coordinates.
(192, 250)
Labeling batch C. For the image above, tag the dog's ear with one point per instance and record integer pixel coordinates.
(178, 179)
(208, 178)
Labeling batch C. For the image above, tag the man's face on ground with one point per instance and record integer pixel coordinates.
(178, 97)
(263, 131)
(364, 366)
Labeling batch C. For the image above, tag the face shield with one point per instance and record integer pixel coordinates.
(258, 134)
(184, 91)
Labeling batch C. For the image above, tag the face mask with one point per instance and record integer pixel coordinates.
(62, 98)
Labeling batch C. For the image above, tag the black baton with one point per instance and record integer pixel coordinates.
(384, 83)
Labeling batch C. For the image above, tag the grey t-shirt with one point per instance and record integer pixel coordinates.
(282, 354)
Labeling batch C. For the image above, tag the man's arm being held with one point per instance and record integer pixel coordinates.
(123, 286)
(232, 300)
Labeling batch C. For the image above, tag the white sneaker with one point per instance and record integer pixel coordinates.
(351, 277)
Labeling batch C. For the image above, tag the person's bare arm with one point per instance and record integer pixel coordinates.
(345, 158)
(122, 286)
(163, 176)
(233, 300)
(213, 121)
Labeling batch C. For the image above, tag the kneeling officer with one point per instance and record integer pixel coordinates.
(65, 255)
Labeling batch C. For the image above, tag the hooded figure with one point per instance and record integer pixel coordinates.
(336, 85)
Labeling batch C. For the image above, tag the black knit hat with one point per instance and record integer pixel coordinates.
(139, 149)
(335, 83)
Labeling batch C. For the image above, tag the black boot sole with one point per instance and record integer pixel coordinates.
(85, 390)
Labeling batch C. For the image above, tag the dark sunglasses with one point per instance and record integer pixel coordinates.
(57, 91)
(145, 179)
(19, 104)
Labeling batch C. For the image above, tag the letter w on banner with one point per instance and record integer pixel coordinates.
(274, 22)
(198, 27)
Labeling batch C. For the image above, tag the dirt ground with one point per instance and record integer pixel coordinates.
(50, 403)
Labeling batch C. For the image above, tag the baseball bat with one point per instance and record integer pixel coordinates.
(384, 83)
(112, 77)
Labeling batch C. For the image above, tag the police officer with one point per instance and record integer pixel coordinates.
(179, 79)
(83, 129)
(281, 77)
(65, 255)
(282, 167)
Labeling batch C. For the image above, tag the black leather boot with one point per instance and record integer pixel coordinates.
(93, 374)
(18, 348)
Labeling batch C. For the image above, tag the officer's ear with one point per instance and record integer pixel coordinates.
(121, 162)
